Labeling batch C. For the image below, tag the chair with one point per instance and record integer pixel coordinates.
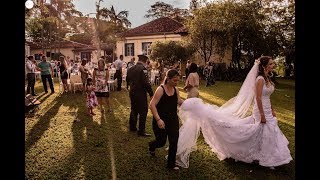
(75, 81)
(111, 82)
(31, 103)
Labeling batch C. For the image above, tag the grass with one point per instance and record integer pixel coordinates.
(101, 147)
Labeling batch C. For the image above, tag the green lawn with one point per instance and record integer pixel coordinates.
(101, 147)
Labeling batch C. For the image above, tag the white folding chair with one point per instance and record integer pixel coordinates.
(75, 81)
(111, 82)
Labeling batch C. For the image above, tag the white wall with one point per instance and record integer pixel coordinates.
(64, 51)
(138, 40)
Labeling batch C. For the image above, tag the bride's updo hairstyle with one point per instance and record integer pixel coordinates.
(171, 73)
(264, 60)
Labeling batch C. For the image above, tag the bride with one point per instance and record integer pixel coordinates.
(228, 129)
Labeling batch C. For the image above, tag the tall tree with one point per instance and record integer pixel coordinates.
(111, 23)
(161, 9)
(242, 24)
(194, 5)
(208, 31)
(281, 23)
(52, 20)
(119, 19)
(65, 10)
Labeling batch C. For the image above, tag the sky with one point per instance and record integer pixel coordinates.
(137, 8)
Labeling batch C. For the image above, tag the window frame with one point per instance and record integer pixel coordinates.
(129, 49)
(146, 48)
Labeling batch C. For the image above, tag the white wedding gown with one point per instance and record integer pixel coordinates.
(243, 139)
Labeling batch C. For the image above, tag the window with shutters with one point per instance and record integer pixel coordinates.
(129, 49)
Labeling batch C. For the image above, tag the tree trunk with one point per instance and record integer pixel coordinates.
(59, 41)
(50, 41)
(204, 49)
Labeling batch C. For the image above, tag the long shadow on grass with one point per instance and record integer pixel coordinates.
(90, 148)
(90, 158)
(43, 123)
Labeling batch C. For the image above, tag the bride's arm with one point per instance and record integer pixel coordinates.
(153, 103)
(180, 101)
(259, 86)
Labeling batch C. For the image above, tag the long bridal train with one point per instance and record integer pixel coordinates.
(229, 136)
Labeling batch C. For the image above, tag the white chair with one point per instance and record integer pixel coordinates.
(76, 82)
(111, 82)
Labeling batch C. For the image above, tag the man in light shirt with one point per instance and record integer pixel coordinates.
(118, 75)
(31, 76)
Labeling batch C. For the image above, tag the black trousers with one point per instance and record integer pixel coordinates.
(118, 76)
(172, 131)
(44, 82)
(138, 108)
(31, 78)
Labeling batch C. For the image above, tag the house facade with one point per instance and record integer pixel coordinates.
(138, 40)
(75, 51)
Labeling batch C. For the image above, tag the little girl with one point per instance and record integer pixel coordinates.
(91, 97)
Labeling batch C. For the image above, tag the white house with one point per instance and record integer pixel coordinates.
(74, 50)
(138, 40)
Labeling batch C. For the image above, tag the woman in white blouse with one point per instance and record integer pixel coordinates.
(192, 82)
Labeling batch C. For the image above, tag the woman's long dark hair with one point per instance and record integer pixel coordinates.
(264, 60)
(193, 68)
(171, 73)
(104, 64)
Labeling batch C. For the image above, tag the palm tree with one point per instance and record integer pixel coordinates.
(120, 19)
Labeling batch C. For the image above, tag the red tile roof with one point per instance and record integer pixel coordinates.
(181, 30)
(158, 26)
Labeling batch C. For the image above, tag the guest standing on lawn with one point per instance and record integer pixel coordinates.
(46, 74)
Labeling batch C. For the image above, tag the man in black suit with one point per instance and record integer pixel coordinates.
(138, 80)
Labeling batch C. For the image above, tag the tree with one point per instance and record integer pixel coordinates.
(46, 22)
(281, 23)
(208, 31)
(170, 52)
(242, 24)
(112, 23)
(161, 9)
(119, 19)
